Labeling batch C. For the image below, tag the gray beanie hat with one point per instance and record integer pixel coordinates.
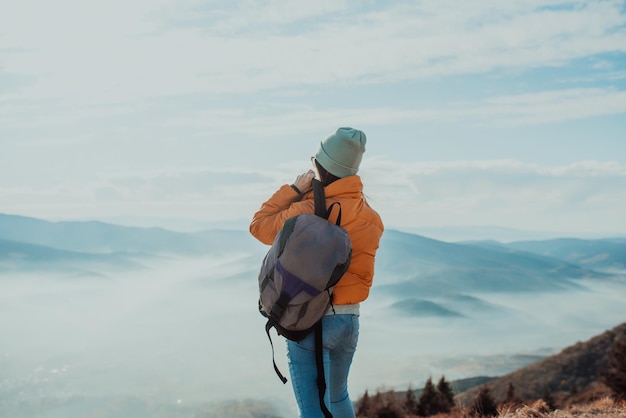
(340, 153)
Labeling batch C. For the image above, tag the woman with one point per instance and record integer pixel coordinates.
(336, 162)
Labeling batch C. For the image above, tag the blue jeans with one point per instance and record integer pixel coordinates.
(340, 335)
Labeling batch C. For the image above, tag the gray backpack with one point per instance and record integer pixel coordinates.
(308, 257)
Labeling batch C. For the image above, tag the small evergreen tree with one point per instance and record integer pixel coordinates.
(390, 407)
(427, 404)
(510, 393)
(511, 399)
(364, 406)
(446, 395)
(615, 376)
(410, 402)
(377, 402)
(484, 405)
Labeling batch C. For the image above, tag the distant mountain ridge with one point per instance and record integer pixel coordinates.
(596, 254)
(92, 247)
(25, 257)
(418, 264)
(100, 237)
(411, 264)
(460, 233)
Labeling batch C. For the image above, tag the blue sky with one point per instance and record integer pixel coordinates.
(491, 112)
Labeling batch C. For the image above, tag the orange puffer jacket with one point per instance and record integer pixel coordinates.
(363, 224)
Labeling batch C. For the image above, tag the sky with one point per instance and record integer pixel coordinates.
(478, 113)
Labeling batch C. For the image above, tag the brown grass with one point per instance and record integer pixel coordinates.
(605, 407)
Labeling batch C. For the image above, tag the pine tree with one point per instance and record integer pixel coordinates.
(390, 408)
(410, 402)
(376, 402)
(427, 404)
(511, 399)
(484, 405)
(364, 406)
(446, 395)
(510, 393)
(615, 376)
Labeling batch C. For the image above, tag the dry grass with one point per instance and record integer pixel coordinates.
(605, 407)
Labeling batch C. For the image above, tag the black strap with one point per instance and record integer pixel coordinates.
(287, 230)
(319, 199)
(330, 209)
(268, 326)
(319, 361)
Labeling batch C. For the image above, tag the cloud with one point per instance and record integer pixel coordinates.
(210, 195)
(284, 119)
(118, 108)
(251, 16)
(501, 111)
(186, 185)
(586, 196)
(553, 106)
(118, 52)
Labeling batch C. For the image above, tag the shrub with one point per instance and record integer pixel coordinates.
(484, 405)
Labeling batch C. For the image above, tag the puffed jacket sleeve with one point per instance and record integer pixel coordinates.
(282, 205)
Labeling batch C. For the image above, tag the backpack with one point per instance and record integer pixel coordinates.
(306, 260)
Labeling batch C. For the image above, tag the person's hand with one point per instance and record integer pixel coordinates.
(303, 181)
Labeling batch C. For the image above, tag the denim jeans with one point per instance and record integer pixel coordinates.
(340, 334)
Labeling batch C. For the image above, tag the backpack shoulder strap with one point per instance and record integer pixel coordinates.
(319, 199)
(319, 362)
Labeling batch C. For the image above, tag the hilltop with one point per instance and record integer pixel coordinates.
(573, 372)
(568, 384)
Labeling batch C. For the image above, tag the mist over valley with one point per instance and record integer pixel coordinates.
(96, 316)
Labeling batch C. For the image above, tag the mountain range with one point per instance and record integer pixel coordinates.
(26, 257)
(415, 263)
(411, 264)
(91, 247)
(104, 238)
(607, 255)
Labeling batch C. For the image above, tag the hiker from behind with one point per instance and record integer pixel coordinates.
(336, 164)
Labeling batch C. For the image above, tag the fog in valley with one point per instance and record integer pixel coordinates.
(185, 333)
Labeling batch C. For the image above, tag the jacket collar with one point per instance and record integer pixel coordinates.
(350, 186)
